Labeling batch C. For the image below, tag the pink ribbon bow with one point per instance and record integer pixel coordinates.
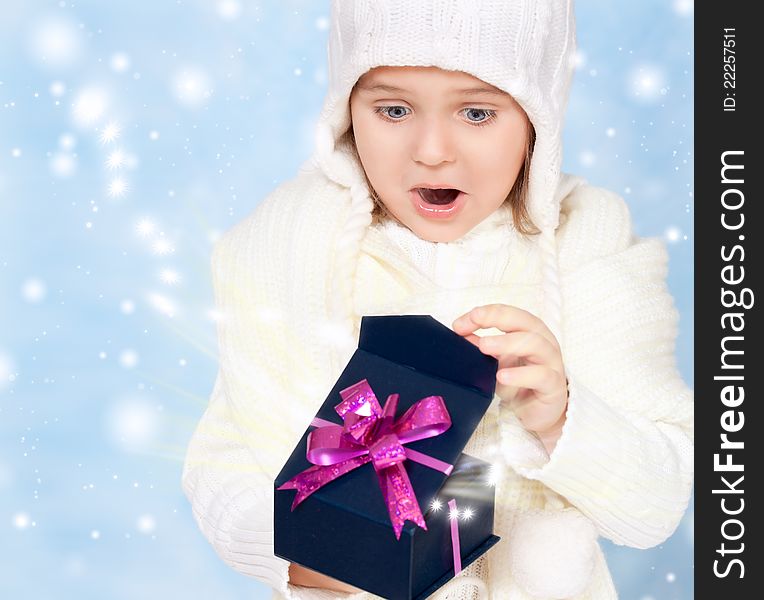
(371, 433)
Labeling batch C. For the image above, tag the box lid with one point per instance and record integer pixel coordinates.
(425, 344)
(414, 356)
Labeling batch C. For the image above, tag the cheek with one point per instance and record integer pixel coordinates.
(368, 136)
(504, 155)
(497, 159)
(379, 152)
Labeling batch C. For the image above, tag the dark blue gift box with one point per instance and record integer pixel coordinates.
(343, 529)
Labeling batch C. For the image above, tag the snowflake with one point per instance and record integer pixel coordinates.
(90, 105)
(110, 132)
(116, 159)
(117, 187)
(169, 276)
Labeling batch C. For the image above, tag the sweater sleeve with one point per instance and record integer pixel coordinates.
(625, 456)
(240, 442)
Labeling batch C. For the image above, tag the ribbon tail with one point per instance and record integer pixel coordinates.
(317, 476)
(455, 541)
(399, 496)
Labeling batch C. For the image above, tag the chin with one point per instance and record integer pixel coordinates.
(442, 235)
(430, 232)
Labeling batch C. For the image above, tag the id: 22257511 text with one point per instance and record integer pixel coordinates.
(728, 74)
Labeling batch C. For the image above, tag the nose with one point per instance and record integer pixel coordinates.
(433, 144)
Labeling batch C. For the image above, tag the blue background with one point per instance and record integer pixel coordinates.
(131, 135)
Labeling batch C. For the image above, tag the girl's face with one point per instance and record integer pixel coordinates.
(425, 126)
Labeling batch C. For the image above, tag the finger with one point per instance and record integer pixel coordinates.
(543, 380)
(504, 317)
(475, 339)
(529, 345)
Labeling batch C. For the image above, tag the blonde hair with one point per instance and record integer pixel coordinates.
(517, 197)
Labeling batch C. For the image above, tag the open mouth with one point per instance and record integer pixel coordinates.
(438, 203)
(438, 197)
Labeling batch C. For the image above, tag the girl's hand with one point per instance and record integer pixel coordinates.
(531, 375)
(299, 575)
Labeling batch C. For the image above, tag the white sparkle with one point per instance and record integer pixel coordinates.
(115, 160)
(67, 141)
(127, 307)
(57, 89)
(128, 358)
(62, 165)
(162, 304)
(468, 513)
(16, 152)
(684, 7)
(132, 424)
(117, 187)
(90, 106)
(610, 132)
(578, 59)
(7, 368)
(56, 42)
(322, 23)
(154, 135)
(493, 475)
(670, 577)
(120, 62)
(169, 276)
(145, 227)
(146, 524)
(229, 9)
(453, 514)
(33, 290)
(163, 247)
(95, 534)
(587, 158)
(436, 505)
(21, 520)
(648, 83)
(192, 86)
(110, 132)
(673, 234)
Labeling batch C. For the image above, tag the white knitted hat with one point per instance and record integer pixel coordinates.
(524, 47)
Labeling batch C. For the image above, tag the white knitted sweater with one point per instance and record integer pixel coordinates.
(622, 467)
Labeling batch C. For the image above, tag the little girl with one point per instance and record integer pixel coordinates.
(435, 188)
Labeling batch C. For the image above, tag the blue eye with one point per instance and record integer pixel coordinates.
(388, 113)
(490, 115)
(386, 110)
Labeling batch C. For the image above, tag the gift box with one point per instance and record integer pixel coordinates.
(377, 493)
